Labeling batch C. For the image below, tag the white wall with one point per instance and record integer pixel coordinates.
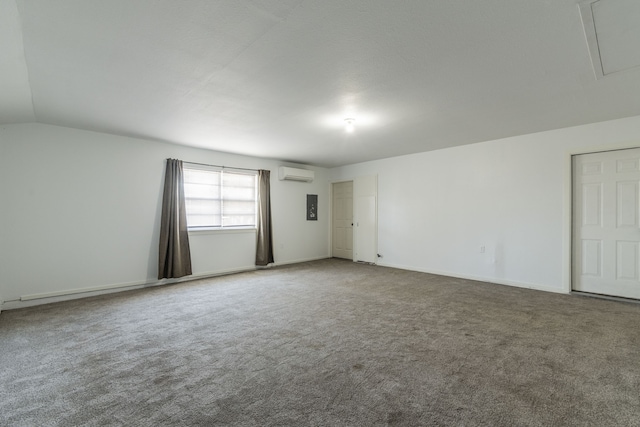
(81, 210)
(512, 196)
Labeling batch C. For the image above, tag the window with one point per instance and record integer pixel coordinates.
(218, 198)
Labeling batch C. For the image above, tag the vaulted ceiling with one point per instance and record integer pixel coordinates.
(277, 78)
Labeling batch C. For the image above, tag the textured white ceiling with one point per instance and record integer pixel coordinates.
(15, 93)
(276, 78)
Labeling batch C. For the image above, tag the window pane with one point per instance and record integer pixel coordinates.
(204, 220)
(197, 176)
(239, 208)
(240, 221)
(220, 198)
(239, 199)
(239, 193)
(233, 179)
(201, 191)
(201, 207)
(202, 198)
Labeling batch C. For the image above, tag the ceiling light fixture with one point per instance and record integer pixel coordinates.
(349, 126)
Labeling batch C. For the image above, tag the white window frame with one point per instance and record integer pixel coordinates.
(221, 172)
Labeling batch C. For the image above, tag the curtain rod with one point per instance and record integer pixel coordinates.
(219, 166)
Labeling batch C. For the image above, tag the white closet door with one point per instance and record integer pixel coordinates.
(606, 229)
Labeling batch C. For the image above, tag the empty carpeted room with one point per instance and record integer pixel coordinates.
(323, 213)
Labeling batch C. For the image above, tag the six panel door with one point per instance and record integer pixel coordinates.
(342, 220)
(606, 232)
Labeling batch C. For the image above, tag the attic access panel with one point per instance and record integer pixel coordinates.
(613, 34)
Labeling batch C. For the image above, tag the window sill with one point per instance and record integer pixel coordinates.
(205, 231)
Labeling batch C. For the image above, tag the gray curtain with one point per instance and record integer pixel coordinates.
(174, 257)
(264, 251)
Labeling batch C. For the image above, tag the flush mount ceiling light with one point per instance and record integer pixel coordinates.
(349, 126)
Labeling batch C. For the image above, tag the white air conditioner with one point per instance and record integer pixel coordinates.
(293, 174)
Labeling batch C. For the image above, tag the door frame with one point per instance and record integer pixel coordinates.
(567, 208)
(354, 230)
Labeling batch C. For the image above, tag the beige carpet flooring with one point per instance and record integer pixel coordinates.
(326, 343)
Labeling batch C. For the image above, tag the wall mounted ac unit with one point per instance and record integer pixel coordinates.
(294, 174)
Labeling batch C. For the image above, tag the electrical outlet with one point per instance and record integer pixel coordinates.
(482, 249)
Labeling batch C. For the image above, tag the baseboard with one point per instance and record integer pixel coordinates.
(605, 297)
(298, 261)
(71, 294)
(478, 278)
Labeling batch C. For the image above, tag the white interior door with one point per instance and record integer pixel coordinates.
(342, 237)
(606, 230)
(365, 193)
